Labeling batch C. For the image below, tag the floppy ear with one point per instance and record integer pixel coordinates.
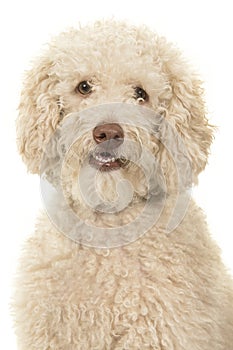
(39, 112)
(186, 110)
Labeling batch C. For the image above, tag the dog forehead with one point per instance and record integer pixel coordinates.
(109, 43)
(111, 33)
(118, 66)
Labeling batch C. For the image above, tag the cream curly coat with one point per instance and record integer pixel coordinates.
(161, 291)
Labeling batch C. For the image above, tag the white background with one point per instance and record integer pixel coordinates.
(202, 29)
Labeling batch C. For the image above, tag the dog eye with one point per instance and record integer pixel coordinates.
(140, 94)
(84, 88)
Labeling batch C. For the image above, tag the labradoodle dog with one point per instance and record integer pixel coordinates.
(113, 120)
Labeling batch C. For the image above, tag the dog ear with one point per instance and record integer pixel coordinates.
(39, 112)
(186, 110)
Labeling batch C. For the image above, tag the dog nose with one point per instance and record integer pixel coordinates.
(109, 132)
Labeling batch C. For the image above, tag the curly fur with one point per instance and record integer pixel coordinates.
(161, 291)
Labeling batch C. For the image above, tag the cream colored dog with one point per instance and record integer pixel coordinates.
(114, 121)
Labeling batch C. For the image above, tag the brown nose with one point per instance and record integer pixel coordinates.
(107, 132)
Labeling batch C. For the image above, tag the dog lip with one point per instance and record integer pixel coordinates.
(106, 161)
(105, 157)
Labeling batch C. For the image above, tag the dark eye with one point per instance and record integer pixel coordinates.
(84, 87)
(140, 94)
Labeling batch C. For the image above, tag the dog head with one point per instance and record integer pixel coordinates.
(114, 63)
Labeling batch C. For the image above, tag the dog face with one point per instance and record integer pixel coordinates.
(106, 63)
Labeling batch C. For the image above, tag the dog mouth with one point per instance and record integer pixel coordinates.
(106, 161)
